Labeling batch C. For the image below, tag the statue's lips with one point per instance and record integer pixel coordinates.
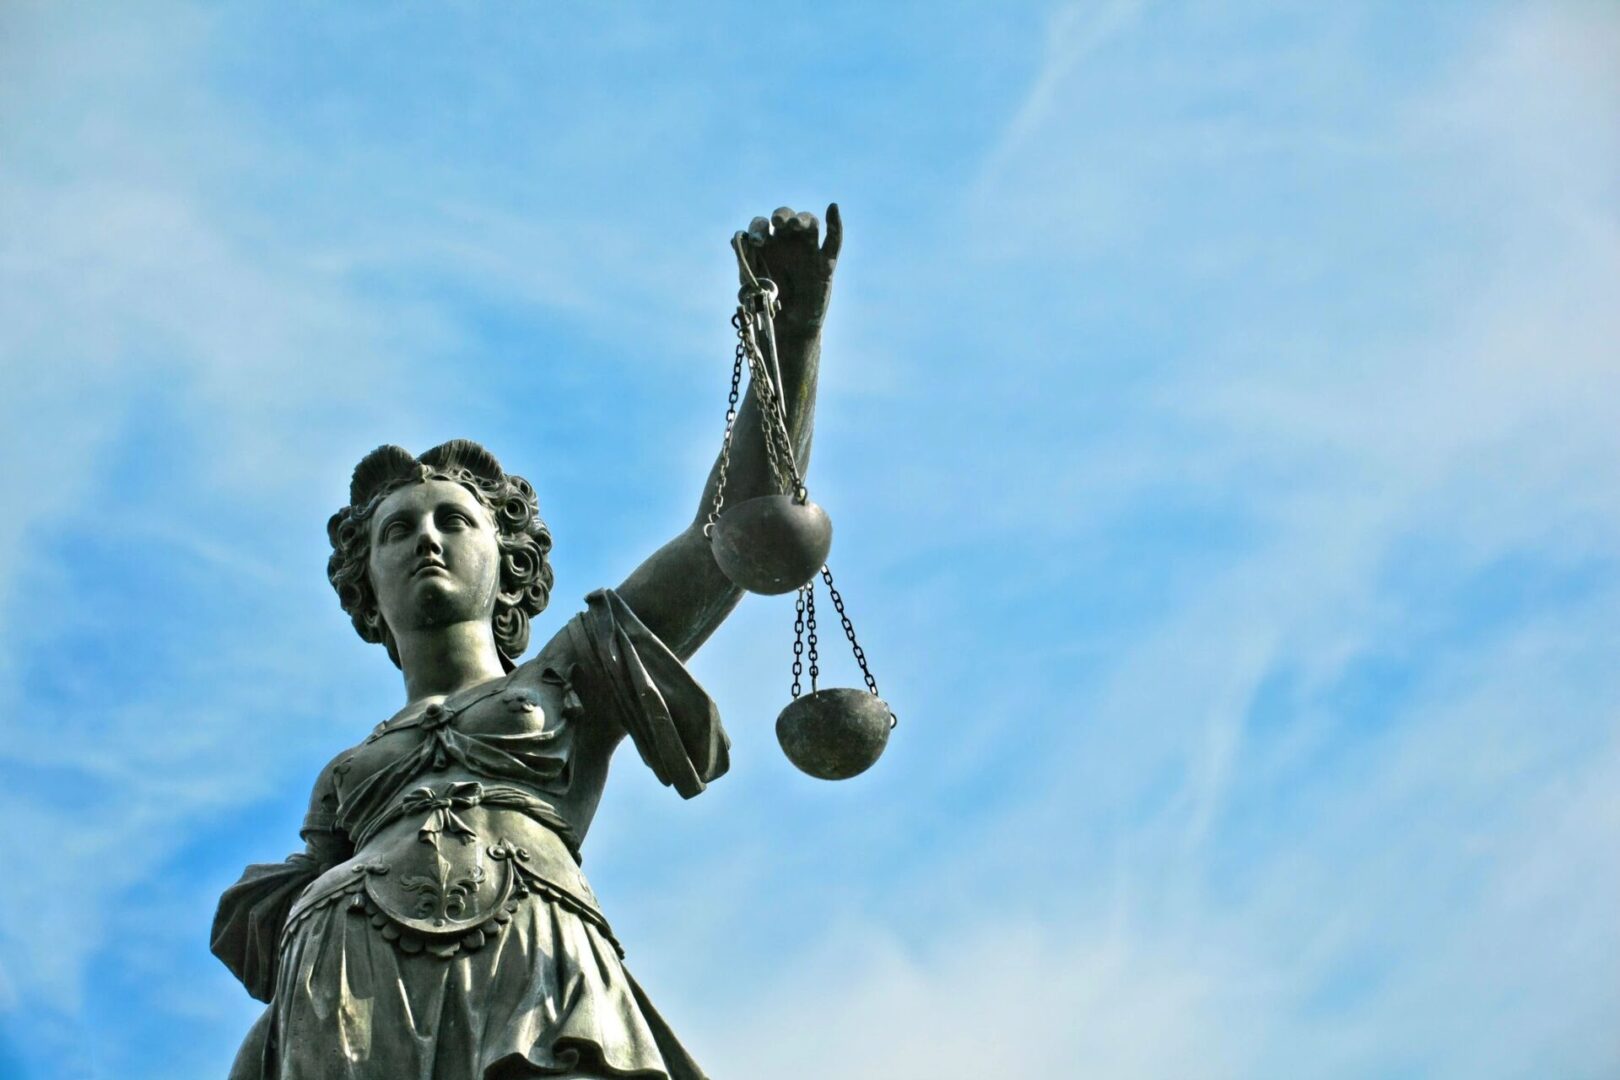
(430, 568)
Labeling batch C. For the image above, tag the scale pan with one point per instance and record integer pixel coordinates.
(771, 544)
(834, 734)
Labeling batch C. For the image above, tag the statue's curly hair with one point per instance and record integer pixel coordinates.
(526, 576)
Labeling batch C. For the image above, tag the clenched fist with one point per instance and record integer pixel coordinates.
(788, 249)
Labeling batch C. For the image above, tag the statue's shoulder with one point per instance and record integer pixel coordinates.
(581, 639)
(559, 656)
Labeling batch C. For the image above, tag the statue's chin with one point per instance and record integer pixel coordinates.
(440, 601)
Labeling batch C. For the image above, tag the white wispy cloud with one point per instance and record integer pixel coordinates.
(1074, 32)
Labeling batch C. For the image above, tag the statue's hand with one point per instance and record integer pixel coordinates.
(788, 249)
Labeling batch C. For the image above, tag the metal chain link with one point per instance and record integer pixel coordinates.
(778, 446)
(849, 632)
(767, 326)
(738, 320)
(760, 298)
(810, 623)
(765, 396)
(798, 638)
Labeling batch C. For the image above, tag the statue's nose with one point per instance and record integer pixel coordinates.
(428, 544)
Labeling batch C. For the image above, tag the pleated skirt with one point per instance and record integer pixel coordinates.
(547, 996)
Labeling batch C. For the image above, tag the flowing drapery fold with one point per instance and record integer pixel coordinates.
(673, 722)
(251, 914)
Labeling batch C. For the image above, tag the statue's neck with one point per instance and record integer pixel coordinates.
(440, 660)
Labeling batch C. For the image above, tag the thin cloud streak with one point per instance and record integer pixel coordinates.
(1074, 32)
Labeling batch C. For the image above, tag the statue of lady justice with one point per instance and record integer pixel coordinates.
(437, 924)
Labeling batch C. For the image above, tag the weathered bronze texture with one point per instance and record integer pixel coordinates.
(772, 544)
(835, 734)
(437, 925)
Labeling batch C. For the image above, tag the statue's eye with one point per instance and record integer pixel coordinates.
(394, 530)
(456, 519)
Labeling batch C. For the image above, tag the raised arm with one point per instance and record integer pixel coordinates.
(679, 592)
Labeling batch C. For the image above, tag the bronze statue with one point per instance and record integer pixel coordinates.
(437, 924)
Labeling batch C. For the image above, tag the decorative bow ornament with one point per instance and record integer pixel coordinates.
(440, 808)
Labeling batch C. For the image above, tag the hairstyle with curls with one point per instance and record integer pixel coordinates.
(526, 577)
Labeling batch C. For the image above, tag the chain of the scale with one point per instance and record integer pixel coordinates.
(778, 446)
(758, 300)
(738, 320)
(804, 621)
(798, 637)
(810, 624)
(804, 617)
(849, 632)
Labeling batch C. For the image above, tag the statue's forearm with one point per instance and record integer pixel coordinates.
(749, 473)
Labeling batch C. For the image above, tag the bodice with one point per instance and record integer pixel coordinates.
(530, 731)
(459, 810)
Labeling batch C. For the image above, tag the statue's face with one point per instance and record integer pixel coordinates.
(435, 557)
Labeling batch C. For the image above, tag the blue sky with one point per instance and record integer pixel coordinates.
(1220, 416)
